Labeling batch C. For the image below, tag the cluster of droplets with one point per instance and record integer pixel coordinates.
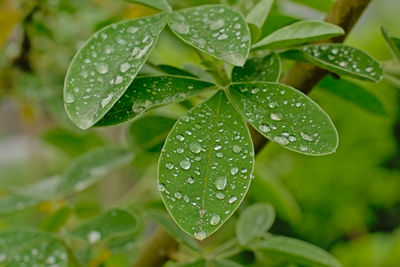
(106, 65)
(347, 58)
(217, 30)
(206, 166)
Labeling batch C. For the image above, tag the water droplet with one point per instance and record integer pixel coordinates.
(215, 219)
(169, 165)
(217, 147)
(195, 148)
(185, 164)
(220, 183)
(275, 117)
(236, 149)
(106, 100)
(69, 98)
(125, 67)
(232, 199)
(119, 79)
(234, 170)
(94, 236)
(178, 195)
(180, 137)
(200, 235)
(281, 140)
(190, 180)
(102, 68)
(186, 198)
(220, 195)
(306, 137)
(264, 128)
(222, 36)
(181, 28)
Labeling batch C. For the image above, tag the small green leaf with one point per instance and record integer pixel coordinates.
(267, 69)
(354, 94)
(217, 30)
(254, 222)
(291, 251)
(393, 42)
(299, 33)
(286, 116)
(92, 166)
(344, 60)
(275, 21)
(172, 229)
(114, 222)
(106, 65)
(157, 4)
(259, 13)
(205, 166)
(56, 220)
(224, 263)
(149, 92)
(37, 248)
(148, 133)
(171, 70)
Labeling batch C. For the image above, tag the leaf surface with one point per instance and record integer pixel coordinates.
(217, 30)
(286, 116)
(393, 42)
(106, 65)
(205, 166)
(267, 69)
(157, 4)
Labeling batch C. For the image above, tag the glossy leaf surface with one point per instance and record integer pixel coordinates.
(393, 42)
(267, 69)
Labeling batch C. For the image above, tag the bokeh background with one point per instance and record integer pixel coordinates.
(347, 203)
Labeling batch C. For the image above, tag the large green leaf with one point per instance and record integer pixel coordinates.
(354, 94)
(284, 250)
(157, 4)
(205, 166)
(299, 33)
(343, 60)
(267, 69)
(254, 221)
(257, 17)
(114, 222)
(393, 42)
(106, 65)
(92, 166)
(22, 247)
(286, 116)
(217, 30)
(172, 229)
(149, 92)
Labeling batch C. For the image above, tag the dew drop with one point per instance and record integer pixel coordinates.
(232, 199)
(125, 67)
(195, 148)
(69, 98)
(275, 117)
(102, 68)
(200, 235)
(281, 140)
(94, 236)
(264, 128)
(306, 137)
(236, 149)
(180, 137)
(220, 183)
(190, 180)
(215, 219)
(234, 170)
(185, 164)
(178, 195)
(220, 195)
(169, 165)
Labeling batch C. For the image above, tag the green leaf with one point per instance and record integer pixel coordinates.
(18, 202)
(344, 60)
(172, 229)
(56, 220)
(259, 13)
(149, 92)
(286, 116)
(288, 250)
(301, 32)
(148, 133)
(106, 65)
(276, 21)
(205, 166)
(198, 263)
(157, 4)
(393, 42)
(354, 94)
(224, 263)
(171, 70)
(18, 246)
(114, 222)
(92, 166)
(267, 69)
(254, 221)
(217, 30)
(321, 5)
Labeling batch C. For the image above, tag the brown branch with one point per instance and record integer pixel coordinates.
(302, 76)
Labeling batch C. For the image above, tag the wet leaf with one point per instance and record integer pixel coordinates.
(106, 65)
(393, 42)
(157, 4)
(172, 229)
(287, 250)
(267, 69)
(354, 94)
(92, 166)
(205, 166)
(114, 222)
(254, 221)
(217, 30)
(171, 70)
(19, 246)
(344, 60)
(286, 116)
(301, 32)
(149, 92)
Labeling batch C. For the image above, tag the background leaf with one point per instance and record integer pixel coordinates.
(224, 263)
(285, 250)
(92, 166)
(286, 116)
(111, 223)
(171, 70)
(354, 94)
(106, 65)
(148, 92)
(301, 32)
(267, 69)
(217, 30)
(393, 42)
(254, 221)
(18, 245)
(321, 5)
(205, 166)
(257, 17)
(56, 220)
(344, 60)
(157, 4)
(172, 229)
